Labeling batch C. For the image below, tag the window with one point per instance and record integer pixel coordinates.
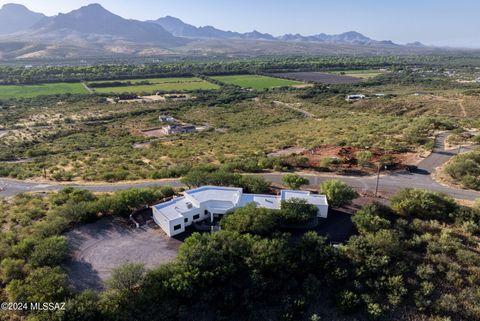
(186, 220)
(196, 216)
(177, 227)
(206, 213)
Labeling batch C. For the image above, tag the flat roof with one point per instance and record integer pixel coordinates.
(314, 199)
(217, 193)
(173, 209)
(266, 201)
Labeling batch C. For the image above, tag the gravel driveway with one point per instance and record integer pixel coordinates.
(99, 247)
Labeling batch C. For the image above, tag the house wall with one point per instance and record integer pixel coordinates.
(176, 222)
(189, 216)
(323, 211)
(162, 221)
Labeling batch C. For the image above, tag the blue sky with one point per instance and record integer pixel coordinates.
(436, 22)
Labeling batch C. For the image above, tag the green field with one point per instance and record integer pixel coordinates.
(256, 82)
(157, 84)
(29, 91)
(364, 74)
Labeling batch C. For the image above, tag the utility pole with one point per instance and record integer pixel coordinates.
(378, 180)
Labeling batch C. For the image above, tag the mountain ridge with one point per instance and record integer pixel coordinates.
(94, 30)
(16, 17)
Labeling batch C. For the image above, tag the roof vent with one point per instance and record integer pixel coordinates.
(189, 205)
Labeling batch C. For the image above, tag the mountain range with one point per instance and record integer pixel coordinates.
(94, 31)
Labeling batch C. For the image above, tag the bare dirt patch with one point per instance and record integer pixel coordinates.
(154, 132)
(348, 157)
(100, 247)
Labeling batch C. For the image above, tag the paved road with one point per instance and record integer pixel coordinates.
(388, 184)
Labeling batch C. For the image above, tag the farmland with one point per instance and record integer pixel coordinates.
(256, 82)
(152, 85)
(30, 91)
(364, 74)
(319, 77)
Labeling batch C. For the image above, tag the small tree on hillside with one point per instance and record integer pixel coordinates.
(294, 181)
(364, 157)
(338, 193)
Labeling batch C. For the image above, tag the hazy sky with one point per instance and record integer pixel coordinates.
(436, 22)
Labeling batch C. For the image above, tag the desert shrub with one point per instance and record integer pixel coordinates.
(466, 169)
(294, 181)
(50, 251)
(297, 211)
(423, 204)
(251, 219)
(338, 193)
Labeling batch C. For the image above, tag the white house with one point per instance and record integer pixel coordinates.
(166, 119)
(178, 129)
(209, 202)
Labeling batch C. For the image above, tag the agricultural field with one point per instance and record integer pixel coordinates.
(30, 91)
(88, 139)
(363, 74)
(256, 82)
(151, 85)
(319, 77)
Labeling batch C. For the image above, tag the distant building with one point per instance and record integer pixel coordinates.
(355, 97)
(166, 119)
(210, 202)
(178, 129)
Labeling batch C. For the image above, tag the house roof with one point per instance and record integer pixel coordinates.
(309, 197)
(227, 198)
(217, 193)
(266, 201)
(173, 209)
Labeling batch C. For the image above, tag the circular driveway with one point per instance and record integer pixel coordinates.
(97, 248)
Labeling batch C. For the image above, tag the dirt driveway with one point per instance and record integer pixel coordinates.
(100, 247)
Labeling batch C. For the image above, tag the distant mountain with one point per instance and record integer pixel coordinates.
(351, 38)
(416, 44)
(92, 31)
(94, 20)
(181, 29)
(15, 18)
(255, 35)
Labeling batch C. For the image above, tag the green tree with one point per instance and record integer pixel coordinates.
(297, 211)
(11, 269)
(423, 204)
(364, 157)
(372, 218)
(255, 184)
(82, 307)
(338, 193)
(294, 181)
(251, 219)
(45, 284)
(50, 251)
(127, 277)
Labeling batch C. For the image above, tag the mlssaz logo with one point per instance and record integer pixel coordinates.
(47, 306)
